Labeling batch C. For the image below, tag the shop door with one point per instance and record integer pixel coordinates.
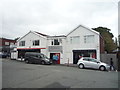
(57, 54)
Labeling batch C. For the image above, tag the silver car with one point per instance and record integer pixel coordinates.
(87, 62)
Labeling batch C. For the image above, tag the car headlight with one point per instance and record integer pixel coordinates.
(47, 59)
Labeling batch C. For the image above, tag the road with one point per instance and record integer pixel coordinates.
(18, 74)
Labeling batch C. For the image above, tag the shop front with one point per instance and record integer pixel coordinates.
(55, 57)
(83, 53)
(55, 53)
(22, 51)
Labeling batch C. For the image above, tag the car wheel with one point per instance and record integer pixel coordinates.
(26, 61)
(102, 68)
(42, 62)
(81, 66)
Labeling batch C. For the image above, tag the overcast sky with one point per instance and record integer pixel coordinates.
(56, 17)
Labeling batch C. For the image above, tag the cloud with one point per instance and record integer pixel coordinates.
(119, 18)
(56, 17)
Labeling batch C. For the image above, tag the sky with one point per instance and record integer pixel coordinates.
(56, 17)
(119, 18)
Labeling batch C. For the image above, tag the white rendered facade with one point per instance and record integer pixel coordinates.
(78, 41)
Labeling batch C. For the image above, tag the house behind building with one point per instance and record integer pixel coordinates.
(7, 45)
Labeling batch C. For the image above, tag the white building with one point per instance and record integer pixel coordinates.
(81, 41)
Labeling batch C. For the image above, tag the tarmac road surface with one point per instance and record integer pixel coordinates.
(16, 74)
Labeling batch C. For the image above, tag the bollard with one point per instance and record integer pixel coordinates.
(68, 61)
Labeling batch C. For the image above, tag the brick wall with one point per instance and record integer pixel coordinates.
(102, 45)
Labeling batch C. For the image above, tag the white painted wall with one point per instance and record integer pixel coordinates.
(81, 31)
(29, 38)
(62, 54)
(67, 46)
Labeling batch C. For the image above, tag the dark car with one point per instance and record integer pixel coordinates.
(4, 55)
(33, 57)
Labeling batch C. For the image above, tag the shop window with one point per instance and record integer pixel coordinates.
(75, 40)
(22, 43)
(89, 39)
(36, 43)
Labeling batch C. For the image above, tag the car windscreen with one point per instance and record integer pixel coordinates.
(43, 56)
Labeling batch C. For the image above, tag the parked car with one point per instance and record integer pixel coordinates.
(33, 57)
(4, 55)
(87, 62)
(13, 55)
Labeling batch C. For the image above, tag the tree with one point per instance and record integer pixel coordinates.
(107, 36)
(116, 41)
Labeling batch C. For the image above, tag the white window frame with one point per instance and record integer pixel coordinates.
(22, 43)
(7, 43)
(36, 44)
(89, 38)
(72, 40)
(53, 41)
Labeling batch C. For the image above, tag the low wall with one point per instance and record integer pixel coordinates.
(106, 58)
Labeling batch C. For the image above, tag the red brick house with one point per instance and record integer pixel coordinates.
(6, 45)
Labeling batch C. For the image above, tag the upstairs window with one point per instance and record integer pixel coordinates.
(11, 43)
(75, 40)
(22, 43)
(7, 43)
(36, 43)
(89, 39)
(55, 42)
(52, 42)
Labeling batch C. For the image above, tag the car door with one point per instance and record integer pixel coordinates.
(40, 58)
(93, 64)
(86, 62)
(35, 58)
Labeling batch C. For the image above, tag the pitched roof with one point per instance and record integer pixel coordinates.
(41, 33)
(59, 36)
(83, 27)
(7, 39)
(44, 35)
(37, 33)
